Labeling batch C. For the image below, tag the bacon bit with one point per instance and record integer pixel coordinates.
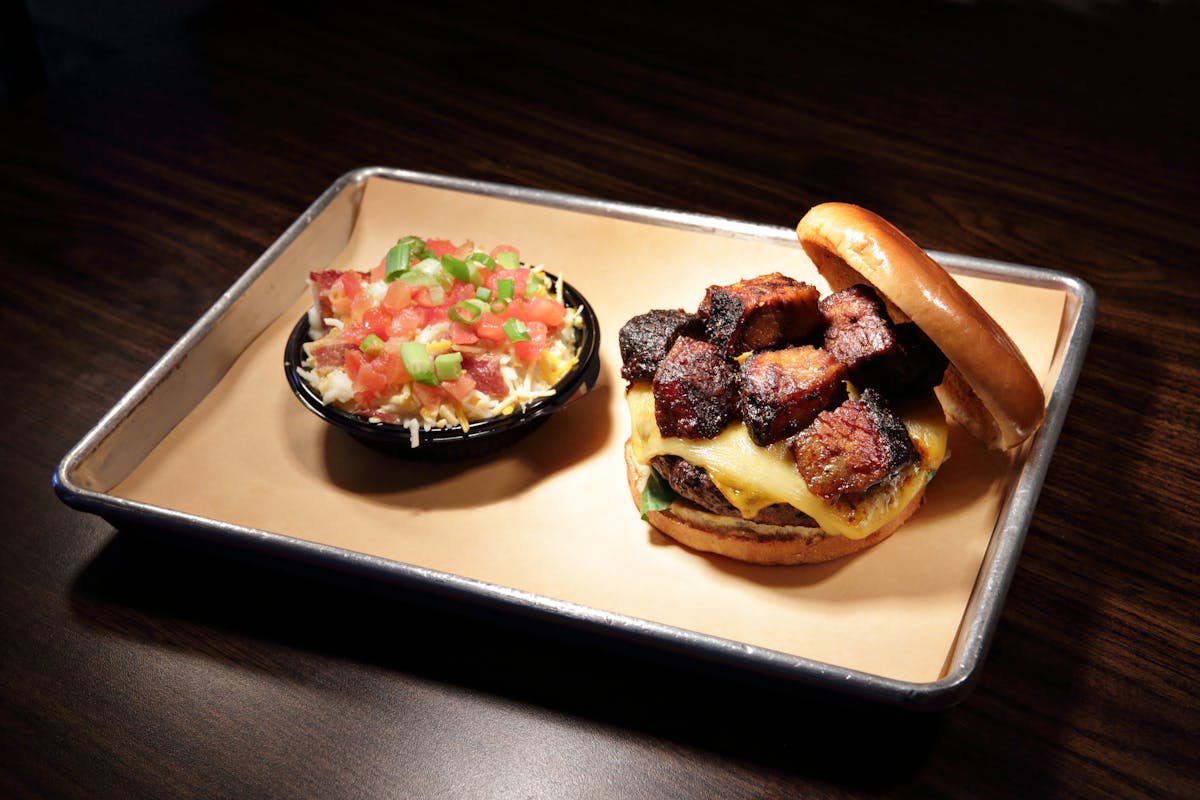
(322, 282)
(327, 352)
(382, 416)
(486, 372)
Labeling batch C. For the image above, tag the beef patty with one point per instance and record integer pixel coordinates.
(694, 483)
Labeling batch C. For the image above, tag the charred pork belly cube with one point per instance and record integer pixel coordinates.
(782, 391)
(759, 312)
(859, 334)
(852, 448)
(924, 362)
(645, 340)
(695, 390)
(893, 358)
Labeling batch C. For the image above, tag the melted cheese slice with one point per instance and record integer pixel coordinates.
(753, 477)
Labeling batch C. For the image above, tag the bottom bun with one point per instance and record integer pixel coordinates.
(745, 540)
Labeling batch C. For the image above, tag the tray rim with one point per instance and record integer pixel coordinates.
(983, 608)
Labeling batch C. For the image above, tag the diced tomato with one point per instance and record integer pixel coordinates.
(440, 247)
(461, 333)
(459, 388)
(422, 296)
(429, 397)
(380, 271)
(544, 310)
(377, 319)
(515, 310)
(491, 327)
(344, 290)
(530, 349)
(434, 315)
(460, 292)
(405, 323)
(376, 376)
(354, 332)
(370, 382)
(519, 278)
(354, 362)
(392, 366)
(399, 295)
(360, 304)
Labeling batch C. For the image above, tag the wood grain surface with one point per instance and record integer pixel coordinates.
(138, 187)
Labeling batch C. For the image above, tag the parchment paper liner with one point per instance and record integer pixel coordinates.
(552, 515)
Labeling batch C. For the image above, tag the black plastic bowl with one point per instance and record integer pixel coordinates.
(483, 437)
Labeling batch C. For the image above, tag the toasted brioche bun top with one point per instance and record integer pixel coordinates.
(989, 388)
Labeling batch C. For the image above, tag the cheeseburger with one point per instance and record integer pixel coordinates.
(776, 426)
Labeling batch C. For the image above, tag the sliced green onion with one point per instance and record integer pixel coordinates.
(483, 258)
(456, 268)
(448, 366)
(505, 288)
(426, 272)
(508, 259)
(437, 295)
(468, 311)
(499, 306)
(515, 330)
(417, 362)
(414, 278)
(483, 293)
(536, 281)
(371, 344)
(419, 250)
(397, 260)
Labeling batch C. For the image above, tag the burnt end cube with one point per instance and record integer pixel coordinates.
(892, 358)
(758, 313)
(924, 362)
(859, 334)
(695, 390)
(782, 391)
(852, 448)
(645, 340)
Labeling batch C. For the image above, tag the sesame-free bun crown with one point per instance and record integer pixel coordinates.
(989, 387)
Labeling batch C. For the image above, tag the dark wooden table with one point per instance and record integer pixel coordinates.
(138, 187)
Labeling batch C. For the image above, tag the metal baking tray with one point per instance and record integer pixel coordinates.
(189, 369)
